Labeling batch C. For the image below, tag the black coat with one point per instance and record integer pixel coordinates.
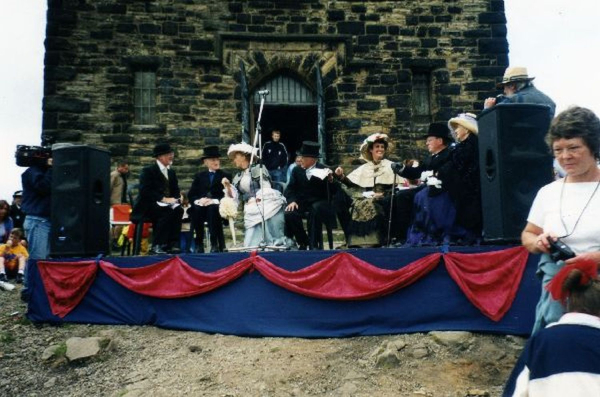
(306, 192)
(201, 186)
(432, 163)
(153, 188)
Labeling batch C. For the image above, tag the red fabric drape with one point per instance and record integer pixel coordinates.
(173, 278)
(490, 280)
(66, 283)
(345, 277)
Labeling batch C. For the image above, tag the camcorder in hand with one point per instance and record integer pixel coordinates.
(28, 156)
(560, 251)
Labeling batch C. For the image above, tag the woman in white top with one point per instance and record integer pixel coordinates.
(569, 208)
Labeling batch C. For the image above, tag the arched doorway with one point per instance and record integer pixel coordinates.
(291, 107)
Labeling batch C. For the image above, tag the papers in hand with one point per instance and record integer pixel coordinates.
(320, 173)
(173, 205)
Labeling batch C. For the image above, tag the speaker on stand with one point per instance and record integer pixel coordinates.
(515, 162)
(80, 201)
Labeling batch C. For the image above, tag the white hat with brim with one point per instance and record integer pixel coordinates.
(364, 147)
(241, 148)
(513, 75)
(467, 120)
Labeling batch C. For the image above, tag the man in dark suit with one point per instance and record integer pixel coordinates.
(205, 195)
(309, 191)
(159, 200)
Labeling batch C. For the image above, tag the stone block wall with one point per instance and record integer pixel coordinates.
(367, 53)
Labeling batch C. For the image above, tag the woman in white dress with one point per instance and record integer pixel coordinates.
(265, 204)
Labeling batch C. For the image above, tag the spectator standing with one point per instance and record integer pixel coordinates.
(568, 208)
(159, 200)
(16, 212)
(13, 257)
(118, 183)
(275, 157)
(205, 195)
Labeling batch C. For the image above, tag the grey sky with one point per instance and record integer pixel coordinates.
(557, 40)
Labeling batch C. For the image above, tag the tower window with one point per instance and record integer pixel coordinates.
(421, 101)
(144, 94)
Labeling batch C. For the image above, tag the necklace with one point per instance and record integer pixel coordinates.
(562, 189)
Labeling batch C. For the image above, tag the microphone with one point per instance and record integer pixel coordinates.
(263, 92)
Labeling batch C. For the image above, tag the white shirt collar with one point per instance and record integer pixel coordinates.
(162, 166)
(578, 319)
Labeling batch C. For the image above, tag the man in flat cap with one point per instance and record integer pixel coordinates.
(205, 195)
(518, 88)
(158, 201)
(309, 191)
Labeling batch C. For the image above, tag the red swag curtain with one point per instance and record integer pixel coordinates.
(489, 280)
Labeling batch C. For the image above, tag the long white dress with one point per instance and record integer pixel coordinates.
(267, 203)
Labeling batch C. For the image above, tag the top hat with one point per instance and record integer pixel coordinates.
(160, 149)
(210, 152)
(438, 130)
(514, 74)
(309, 149)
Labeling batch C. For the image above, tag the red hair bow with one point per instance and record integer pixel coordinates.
(588, 267)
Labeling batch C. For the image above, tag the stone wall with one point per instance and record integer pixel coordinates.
(367, 52)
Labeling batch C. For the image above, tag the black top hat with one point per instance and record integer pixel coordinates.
(309, 149)
(161, 148)
(18, 193)
(210, 152)
(439, 130)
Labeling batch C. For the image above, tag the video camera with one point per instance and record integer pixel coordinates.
(28, 156)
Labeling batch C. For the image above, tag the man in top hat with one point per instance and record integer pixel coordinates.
(309, 191)
(437, 141)
(518, 88)
(205, 195)
(16, 213)
(159, 199)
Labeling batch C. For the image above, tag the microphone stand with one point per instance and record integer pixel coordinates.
(258, 140)
(389, 231)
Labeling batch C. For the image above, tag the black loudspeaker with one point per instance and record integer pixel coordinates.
(80, 201)
(515, 162)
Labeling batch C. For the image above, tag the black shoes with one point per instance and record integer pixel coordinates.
(19, 278)
(3, 277)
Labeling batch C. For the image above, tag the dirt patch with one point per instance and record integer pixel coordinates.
(148, 361)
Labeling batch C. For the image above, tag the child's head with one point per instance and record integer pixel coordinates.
(15, 237)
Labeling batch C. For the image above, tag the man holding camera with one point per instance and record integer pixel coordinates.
(159, 200)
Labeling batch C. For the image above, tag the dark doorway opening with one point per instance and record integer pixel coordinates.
(296, 123)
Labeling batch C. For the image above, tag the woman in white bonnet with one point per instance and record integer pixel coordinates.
(259, 204)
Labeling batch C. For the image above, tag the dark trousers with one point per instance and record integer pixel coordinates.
(316, 214)
(166, 225)
(210, 215)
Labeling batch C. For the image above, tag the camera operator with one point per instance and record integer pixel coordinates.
(567, 210)
(37, 185)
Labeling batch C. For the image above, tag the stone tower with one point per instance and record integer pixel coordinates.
(125, 74)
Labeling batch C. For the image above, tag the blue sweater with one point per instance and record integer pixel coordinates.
(37, 185)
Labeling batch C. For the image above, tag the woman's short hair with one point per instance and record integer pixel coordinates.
(384, 141)
(583, 298)
(577, 122)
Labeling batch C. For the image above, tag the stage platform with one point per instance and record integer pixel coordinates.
(313, 294)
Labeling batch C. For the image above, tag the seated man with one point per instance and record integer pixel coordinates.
(309, 191)
(205, 195)
(13, 257)
(159, 201)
